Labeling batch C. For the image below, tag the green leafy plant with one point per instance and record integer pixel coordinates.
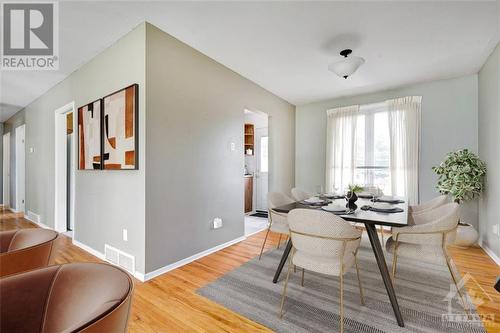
(355, 188)
(461, 174)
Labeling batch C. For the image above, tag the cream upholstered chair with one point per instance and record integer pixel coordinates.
(429, 205)
(277, 221)
(299, 194)
(427, 240)
(323, 243)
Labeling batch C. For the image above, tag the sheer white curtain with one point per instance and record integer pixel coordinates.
(340, 146)
(404, 133)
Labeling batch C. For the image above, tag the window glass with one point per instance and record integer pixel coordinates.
(372, 155)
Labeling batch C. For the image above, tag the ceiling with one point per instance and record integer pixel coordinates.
(284, 47)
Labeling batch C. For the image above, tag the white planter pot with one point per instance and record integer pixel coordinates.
(466, 235)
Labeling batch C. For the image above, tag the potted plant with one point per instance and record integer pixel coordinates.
(461, 175)
(351, 196)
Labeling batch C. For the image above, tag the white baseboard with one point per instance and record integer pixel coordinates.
(489, 252)
(87, 248)
(100, 255)
(40, 224)
(167, 268)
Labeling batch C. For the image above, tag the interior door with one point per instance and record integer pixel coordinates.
(20, 168)
(262, 168)
(6, 169)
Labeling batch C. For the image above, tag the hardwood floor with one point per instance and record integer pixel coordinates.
(168, 303)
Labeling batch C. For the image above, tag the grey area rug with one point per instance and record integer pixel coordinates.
(421, 290)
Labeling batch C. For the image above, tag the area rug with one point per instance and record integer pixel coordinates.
(423, 292)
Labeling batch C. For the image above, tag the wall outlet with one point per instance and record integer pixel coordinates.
(32, 150)
(233, 146)
(217, 223)
(496, 229)
(125, 235)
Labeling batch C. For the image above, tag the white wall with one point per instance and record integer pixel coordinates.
(105, 201)
(489, 139)
(449, 122)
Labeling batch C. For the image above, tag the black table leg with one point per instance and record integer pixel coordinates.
(283, 260)
(382, 265)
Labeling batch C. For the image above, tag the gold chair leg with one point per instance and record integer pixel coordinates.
(302, 281)
(464, 304)
(361, 295)
(394, 262)
(279, 241)
(264, 243)
(286, 284)
(382, 234)
(341, 301)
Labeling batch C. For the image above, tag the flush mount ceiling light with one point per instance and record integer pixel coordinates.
(346, 66)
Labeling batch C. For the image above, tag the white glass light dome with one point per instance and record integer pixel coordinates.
(347, 66)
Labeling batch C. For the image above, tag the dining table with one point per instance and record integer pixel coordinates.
(371, 219)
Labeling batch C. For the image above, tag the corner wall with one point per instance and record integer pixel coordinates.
(195, 110)
(105, 201)
(489, 139)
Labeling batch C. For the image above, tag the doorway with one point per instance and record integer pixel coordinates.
(6, 170)
(65, 148)
(20, 168)
(256, 144)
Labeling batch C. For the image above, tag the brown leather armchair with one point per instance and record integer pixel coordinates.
(79, 297)
(26, 249)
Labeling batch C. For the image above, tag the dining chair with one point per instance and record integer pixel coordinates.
(323, 243)
(427, 240)
(429, 205)
(277, 221)
(299, 194)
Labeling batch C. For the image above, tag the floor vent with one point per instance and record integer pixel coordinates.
(34, 217)
(119, 258)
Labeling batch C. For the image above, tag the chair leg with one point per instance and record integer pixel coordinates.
(464, 304)
(394, 263)
(286, 284)
(382, 235)
(361, 295)
(341, 302)
(302, 281)
(264, 243)
(279, 241)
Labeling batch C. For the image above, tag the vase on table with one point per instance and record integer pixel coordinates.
(351, 200)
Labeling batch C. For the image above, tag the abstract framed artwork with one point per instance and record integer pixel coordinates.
(119, 130)
(89, 136)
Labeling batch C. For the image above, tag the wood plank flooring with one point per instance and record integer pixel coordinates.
(168, 303)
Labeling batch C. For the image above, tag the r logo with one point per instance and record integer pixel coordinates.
(28, 29)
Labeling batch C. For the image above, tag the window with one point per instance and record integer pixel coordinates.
(375, 145)
(264, 154)
(372, 148)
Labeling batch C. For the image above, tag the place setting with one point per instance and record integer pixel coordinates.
(382, 207)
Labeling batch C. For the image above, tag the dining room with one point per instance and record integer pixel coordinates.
(382, 215)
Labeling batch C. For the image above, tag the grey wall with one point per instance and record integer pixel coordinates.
(105, 201)
(489, 137)
(1, 164)
(195, 109)
(10, 126)
(449, 122)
